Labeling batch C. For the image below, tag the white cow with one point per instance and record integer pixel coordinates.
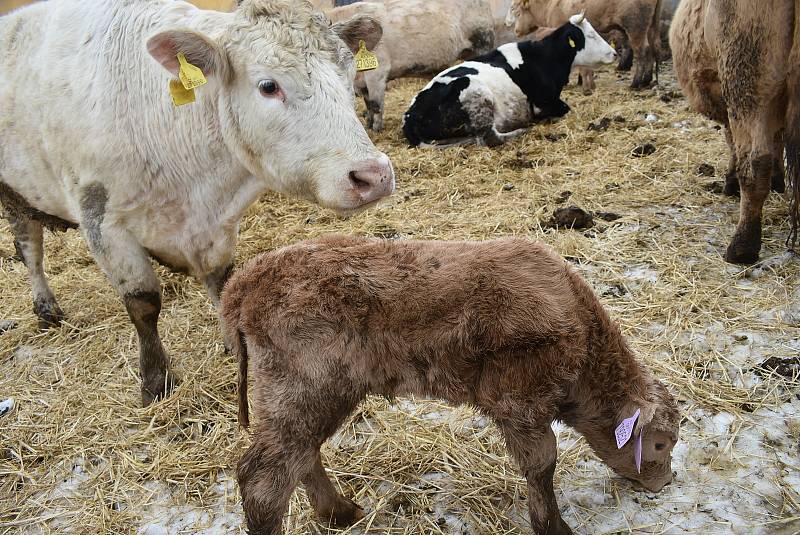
(419, 37)
(91, 138)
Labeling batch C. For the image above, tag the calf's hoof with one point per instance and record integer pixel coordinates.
(343, 514)
(158, 387)
(588, 91)
(731, 188)
(555, 527)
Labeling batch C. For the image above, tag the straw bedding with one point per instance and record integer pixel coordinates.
(78, 454)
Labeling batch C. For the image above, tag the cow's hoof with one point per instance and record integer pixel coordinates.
(742, 251)
(377, 127)
(158, 387)
(777, 184)
(49, 313)
(345, 513)
(588, 91)
(731, 189)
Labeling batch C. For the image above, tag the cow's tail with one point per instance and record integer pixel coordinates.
(792, 133)
(655, 36)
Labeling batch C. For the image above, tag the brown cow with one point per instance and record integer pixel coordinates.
(639, 20)
(506, 326)
(738, 63)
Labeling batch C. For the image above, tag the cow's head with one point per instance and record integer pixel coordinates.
(658, 424)
(595, 50)
(285, 99)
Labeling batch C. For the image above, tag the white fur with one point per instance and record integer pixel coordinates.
(596, 51)
(82, 102)
(512, 54)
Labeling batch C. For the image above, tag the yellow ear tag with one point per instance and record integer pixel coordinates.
(190, 75)
(180, 95)
(571, 42)
(365, 60)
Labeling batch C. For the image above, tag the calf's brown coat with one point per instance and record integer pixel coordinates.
(506, 326)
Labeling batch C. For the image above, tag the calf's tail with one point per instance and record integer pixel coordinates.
(792, 133)
(240, 350)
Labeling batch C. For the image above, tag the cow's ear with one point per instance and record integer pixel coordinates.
(359, 28)
(197, 48)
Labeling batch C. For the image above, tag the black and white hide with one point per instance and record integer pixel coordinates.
(495, 97)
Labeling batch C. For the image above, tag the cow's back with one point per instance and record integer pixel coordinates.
(81, 99)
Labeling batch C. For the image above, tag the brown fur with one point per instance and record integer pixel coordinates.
(738, 63)
(506, 326)
(639, 20)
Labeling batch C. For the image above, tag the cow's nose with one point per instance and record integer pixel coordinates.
(373, 179)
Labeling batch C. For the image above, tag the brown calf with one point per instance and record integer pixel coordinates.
(738, 63)
(506, 326)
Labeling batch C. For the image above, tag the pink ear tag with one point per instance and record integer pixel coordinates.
(637, 452)
(625, 429)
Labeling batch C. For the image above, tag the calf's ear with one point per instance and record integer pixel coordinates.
(359, 28)
(199, 50)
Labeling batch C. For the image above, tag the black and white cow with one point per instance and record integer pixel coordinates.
(495, 97)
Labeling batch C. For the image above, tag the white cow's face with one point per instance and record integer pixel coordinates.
(596, 51)
(286, 105)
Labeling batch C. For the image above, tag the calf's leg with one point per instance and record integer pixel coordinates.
(586, 78)
(29, 242)
(127, 265)
(214, 283)
(778, 184)
(376, 89)
(731, 188)
(534, 450)
(642, 60)
(297, 414)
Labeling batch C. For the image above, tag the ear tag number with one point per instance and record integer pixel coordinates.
(623, 435)
(571, 42)
(182, 90)
(365, 60)
(180, 95)
(190, 75)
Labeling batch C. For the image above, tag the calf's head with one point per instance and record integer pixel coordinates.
(658, 424)
(594, 50)
(281, 85)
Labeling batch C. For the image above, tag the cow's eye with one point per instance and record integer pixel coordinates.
(660, 446)
(269, 88)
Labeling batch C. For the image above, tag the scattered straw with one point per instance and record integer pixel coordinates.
(79, 454)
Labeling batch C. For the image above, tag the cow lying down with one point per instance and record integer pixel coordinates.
(495, 97)
(506, 326)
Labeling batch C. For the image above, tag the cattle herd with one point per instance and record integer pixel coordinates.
(506, 326)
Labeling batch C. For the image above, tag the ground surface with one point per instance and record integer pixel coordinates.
(78, 455)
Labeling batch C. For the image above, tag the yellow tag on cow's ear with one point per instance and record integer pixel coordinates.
(190, 75)
(365, 60)
(180, 95)
(571, 42)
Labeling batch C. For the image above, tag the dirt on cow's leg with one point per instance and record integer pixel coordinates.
(731, 188)
(642, 60)
(29, 243)
(535, 453)
(778, 184)
(128, 267)
(374, 98)
(754, 182)
(214, 282)
(331, 507)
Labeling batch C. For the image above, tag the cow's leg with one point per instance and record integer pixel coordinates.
(29, 242)
(534, 450)
(778, 184)
(754, 142)
(128, 267)
(214, 283)
(297, 412)
(376, 89)
(642, 59)
(731, 188)
(330, 506)
(625, 57)
(587, 80)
